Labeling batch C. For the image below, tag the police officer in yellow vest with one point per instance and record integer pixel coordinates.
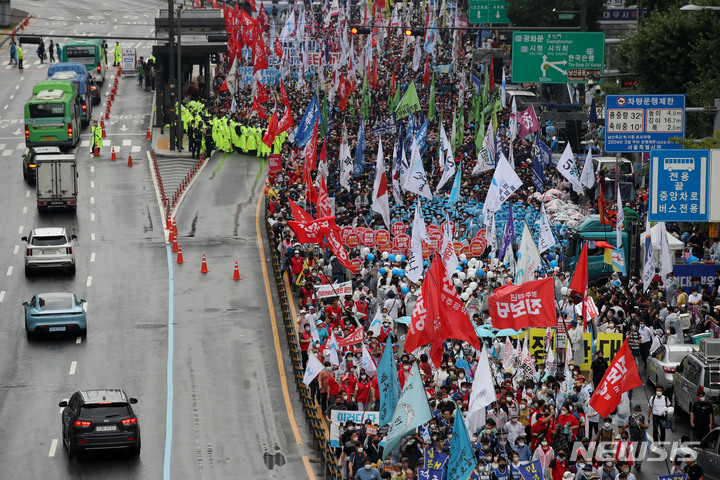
(20, 56)
(118, 54)
(96, 132)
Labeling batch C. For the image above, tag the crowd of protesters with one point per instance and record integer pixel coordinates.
(547, 417)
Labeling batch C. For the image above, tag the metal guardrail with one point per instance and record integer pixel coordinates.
(325, 452)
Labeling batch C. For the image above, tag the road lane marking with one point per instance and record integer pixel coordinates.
(92, 236)
(78, 340)
(273, 319)
(170, 355)
(27, 194)
(12, 96)
(92, 200)
(308, 467)
(9, 271)
(127, 143)
(92, 169)
(92, 257)
(92, 217)
(92, 184)
(24, 210)
(2, 295)
(53, 447)
(136, 148)
(7, 153)
(16, 249)
(20, 230)
(17, 86)
(73, 366)
(89, 281)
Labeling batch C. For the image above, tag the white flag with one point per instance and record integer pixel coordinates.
(508, 354)
(528, 366)
(503, 91)
(529, 257)
(380, 198)
(289, 27)
(416, 180)
(484, 159)
(649, 263)
(367, 362)
(620, 219)
(491, 235)
(447, 165)
(504, 183)
(346, 160)
(550, 362)
(312, 369)
(449, 257)
(568, 169)
(416, 56)
(334, 347)
(482, 393)
(232, 78)
(414, 259)
(547, 239)
(587, 178)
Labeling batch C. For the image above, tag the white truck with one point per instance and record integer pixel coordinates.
(56, 182)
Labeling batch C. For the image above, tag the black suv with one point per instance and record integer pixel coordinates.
(29, 165)
(99, 419)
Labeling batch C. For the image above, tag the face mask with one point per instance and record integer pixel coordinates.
(515, 461)
(457, 348)
(502, 442)
(658, 393)
(450, 364)
(474, 439)
(544, 443)
(702, 399)
(521, 444)
(359, 450)
(462, 375)
(642, 325)
(561, 457)
(609, 464)
(351, 428)
(367, 467)
(580, 465)
(501, 466)
(607, 425)
(307, 329)
(563, 412)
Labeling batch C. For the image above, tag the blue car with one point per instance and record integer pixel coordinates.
(55, 312)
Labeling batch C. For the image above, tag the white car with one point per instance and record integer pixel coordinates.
(50, 248)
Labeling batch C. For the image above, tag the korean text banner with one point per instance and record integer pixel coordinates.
(621, 376)
(530, 304)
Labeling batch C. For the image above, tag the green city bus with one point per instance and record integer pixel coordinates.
(52, 115)
(90, 52)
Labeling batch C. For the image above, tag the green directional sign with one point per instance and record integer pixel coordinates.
(557, 57)
(487, 11)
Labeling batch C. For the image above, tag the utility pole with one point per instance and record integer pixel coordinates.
(171, 73)
(583, 15)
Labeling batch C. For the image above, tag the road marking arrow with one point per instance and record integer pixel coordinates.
(123, 128)
(17, 132)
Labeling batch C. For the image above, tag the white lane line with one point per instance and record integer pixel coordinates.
(92, 236)
(20, 146)
(89, 281)
(92, 200)
(92, 217)
(17, 86)
(127, 143)
(85, 143)
(2, 146)
(78, 340)
(7, 153)
(5, 107)
(136, 148)
(27, 194)
(20, 230)
(92, 184)
(53, 447)
(92, 257)
(73, 367)
(92, 169)
(24, 210)
(2, 295)
(12, 96)
(16, 249)
(9, 271)
(107, 142)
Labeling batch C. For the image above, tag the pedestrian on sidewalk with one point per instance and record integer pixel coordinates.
(51, 51)
(59, 52)
(13, 52)
(20, 57)
(41, 51)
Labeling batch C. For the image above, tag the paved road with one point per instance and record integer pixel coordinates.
(229, 413)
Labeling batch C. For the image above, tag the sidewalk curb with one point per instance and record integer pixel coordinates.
(8, 33)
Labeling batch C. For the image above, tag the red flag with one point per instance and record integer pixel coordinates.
(278, 49)
(224, 86)
(197, 4)
(426, 72)
(392, 83)
(621, 376)
(313, 232)
(343, 91)
(491, 80)
(311, 150)
(259, 54)
(272, 130)
(261, 95)
(579, 282)
(286, 122)
(283, 94)
(529, 304)
(323, 152)
(260, 111)
(253, 5)
(339, 251)
(374, 78)
(358, 336)
(323, 203)
(262, 18)
(215, 4)
(299, 214)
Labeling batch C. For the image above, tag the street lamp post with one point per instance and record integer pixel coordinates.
(178, 118)
(697, 8)
(171, 73)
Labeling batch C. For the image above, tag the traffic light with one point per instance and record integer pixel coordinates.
(358, 30)
(414, 32)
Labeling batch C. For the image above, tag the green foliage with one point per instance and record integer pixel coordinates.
(539, 13)
(703, 143)
(675, 52)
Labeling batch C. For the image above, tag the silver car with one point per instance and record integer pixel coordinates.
(708, 456)
(49, 248)
(662, 362)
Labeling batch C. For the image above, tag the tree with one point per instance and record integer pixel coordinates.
(539, 13)
(675, 52)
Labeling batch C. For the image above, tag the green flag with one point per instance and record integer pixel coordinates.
(479, 133)
(323, 130)
(461, 126)
(396, 100)
(453, 131)
(408, 103)
(486, 89)
(431, 107)
(364, 103)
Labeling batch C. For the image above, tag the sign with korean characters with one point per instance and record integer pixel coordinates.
(557, 57)
(487, 11)
(338, 418)
(536, 343)
(640, 123)
(129, 61)
(679, 185)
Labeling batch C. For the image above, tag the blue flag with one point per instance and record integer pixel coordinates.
(455, 192)
(307, 124)
(499, 147)
(411, 411)
(532, 471)
(508, 235)
(421, 136)
(476, 83)
(462, 457)
(388, 383)
(359, 166)
(434, 459)
(429, 474)
(592, 117)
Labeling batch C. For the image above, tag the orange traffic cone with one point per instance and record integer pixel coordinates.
(179, 256)
(175, 246)
(236, 274)
(148, 135)
(130, 164)
(119, 72)
(102, 127)
(107, 113)
(204, 268)
(114, 157)
(96, 152)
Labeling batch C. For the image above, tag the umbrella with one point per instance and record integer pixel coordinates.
(484, 333)
(507, 332)
(404, 320)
